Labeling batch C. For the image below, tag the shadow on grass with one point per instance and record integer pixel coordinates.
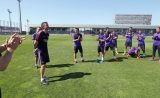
(59, 65)
(118, 59)
(121, 52)
(90, 60)
(74, 75)
(147, 56)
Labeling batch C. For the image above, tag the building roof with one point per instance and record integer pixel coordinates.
(97, 26)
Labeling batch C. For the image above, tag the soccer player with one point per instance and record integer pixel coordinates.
(156, 43)
(141, 41)
(101, 46)
(77, 39)
(114, 40)
(9, 46)
(134, 52)
(35, 50)
(109, 37)
(128, 44)
(41, 44)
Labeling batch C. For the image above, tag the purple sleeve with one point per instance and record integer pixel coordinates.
(144, 36)
(154, 35)
(33, 38)
(116, 35)
(130, 50)
(39, 36)
(137, 49)
(73, 36)
(104, 36)
(132, 34)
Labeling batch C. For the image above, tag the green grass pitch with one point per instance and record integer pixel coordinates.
(127, 78)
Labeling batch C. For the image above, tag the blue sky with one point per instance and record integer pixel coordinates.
(78, 11)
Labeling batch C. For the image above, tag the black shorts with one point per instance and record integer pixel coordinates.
(43, 57)
(111, 46)
(36, 53)
(141, 46)
(128, 44)
(101, 49)
(134, 55)
(78, 48)
(114, 44)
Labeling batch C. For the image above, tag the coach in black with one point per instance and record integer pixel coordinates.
(42, 48)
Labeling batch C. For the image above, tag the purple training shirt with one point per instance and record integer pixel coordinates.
(34, 36)
(114, 38)
(156, 38)
(108, 41)
(76, 36)
(141, 37)
(101, 37)
(133, 49)
(129, 36)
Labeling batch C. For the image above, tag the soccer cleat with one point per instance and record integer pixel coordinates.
(36, 65)
(44, 77)
(144, 55)
(75, 62)
(82, 60)
(44, 82)
(101, 61)
(115, 58)
(138, 57)
(98, 60)
(117, 52)
(124, 54)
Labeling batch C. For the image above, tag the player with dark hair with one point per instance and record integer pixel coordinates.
(109, 37)
(128, 44)
(35, 50)
(114, 37)
(101, 46)
(141, 41)
(156, 43)
(41, 45)
(134, 52)
(77, 39)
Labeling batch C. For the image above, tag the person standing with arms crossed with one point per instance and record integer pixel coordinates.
(77, 39)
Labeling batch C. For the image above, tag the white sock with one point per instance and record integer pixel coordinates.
(102, 58)
(98, 58)
(42, 78)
